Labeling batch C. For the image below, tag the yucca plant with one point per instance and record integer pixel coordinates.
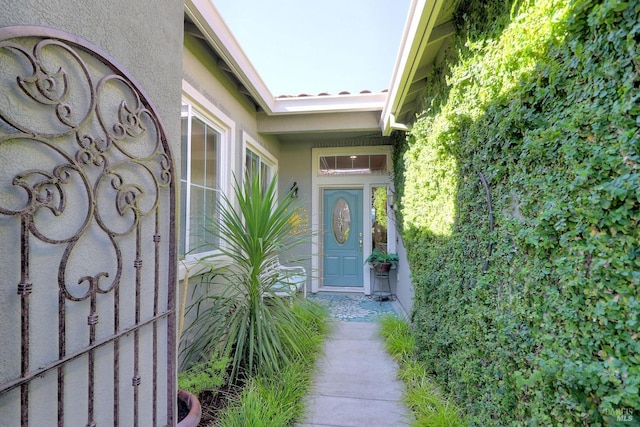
(278, 399)
(242, 316)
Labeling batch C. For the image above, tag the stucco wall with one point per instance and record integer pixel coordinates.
(144, 38)
(404, 288)
(295, 166)
(205, 77)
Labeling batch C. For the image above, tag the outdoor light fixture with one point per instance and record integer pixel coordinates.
(391, 201)
(294, 190)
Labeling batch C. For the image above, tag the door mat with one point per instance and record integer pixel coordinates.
(354, 308)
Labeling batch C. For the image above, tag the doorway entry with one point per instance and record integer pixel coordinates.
(348, 215)
(343, 237)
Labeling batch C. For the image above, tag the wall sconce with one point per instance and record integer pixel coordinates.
(294, 190)
(391, 200)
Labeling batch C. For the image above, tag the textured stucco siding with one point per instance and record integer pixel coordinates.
(143, 36)
(144, 39)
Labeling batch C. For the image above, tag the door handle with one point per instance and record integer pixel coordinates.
(360, 243)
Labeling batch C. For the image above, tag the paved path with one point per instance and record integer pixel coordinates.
(355, 383)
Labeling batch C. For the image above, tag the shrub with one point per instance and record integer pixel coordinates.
(209, 375)
(277, 398)
(242, 316)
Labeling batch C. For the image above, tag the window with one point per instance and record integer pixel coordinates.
(258, 161)
(200, 174)
(361, 164)
(379, 217)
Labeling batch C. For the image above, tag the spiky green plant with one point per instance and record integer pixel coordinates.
(242, 316)
(269, 401)
(277, 399)
(399, 341)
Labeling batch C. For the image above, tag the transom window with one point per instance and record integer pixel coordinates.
(360, 164)
(199, 181)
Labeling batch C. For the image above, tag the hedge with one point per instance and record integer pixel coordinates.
(527, 290)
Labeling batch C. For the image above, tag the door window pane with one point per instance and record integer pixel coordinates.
(341, 221)
(379, 218)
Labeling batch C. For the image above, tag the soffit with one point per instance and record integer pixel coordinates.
(203, 21)
(428, 30)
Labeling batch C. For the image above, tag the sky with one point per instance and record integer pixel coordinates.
(314, 46)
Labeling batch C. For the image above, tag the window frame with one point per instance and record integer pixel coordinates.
(200, 107)
(265, 157)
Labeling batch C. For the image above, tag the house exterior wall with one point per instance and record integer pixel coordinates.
(129, 33)
(296, 166)
(149, 52)
(404, 288)
(201, 73)
(208, 88)
(211, 93)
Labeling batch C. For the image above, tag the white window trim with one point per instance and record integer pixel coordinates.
(366, 183)
(265, 156)
(205, 109)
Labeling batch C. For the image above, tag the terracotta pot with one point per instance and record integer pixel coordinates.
(382, 267)
(195, 410)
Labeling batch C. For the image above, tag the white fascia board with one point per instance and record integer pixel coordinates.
(421, 20)
(327, 122)
(208, 20)
(330, 103)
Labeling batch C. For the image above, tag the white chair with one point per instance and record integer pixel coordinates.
(286, 280)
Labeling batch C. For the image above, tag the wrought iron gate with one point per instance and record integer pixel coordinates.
(87, 240)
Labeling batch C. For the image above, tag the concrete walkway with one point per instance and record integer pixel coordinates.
(355, 383)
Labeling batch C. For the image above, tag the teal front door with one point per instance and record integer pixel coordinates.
(342, 259)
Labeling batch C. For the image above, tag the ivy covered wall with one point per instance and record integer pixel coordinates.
(527, 297)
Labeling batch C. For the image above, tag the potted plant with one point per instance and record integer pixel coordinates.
(382, 261)
(189, 408)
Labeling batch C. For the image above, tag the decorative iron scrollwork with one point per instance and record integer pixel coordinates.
(81, 131)
(84, 161)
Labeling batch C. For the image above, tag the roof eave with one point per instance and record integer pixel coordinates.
(416, 39)
(330, 103)
(207, 18)
(422, 18)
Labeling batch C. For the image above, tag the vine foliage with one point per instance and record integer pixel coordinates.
(543, 99)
